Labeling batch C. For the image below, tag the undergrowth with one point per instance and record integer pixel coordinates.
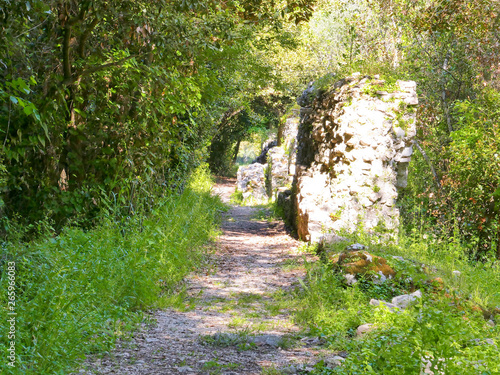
(76, 293)
(448, 330)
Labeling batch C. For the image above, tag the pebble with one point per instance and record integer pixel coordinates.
(334, 361)
(350, 279)
(270, 340)
(184, 369)
(489, 341)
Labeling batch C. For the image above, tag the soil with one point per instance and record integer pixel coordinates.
(234, 322)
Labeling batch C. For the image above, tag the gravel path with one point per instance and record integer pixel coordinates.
(236, 324)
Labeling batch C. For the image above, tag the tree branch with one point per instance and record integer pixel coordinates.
(74, 78)
(446, 107)
(85, 36)
(66, 52)
(74, 20)
(33, 28)
(227, 116)
(436, 177)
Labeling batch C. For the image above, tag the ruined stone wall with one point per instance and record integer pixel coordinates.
(251, 182)
(289, 140)
(273, 170)
(353, 148)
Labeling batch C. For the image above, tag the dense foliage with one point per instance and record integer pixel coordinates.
(262, 116)
(108, 103)
(112, 101)
(77, 292)
(455, 60)
(106, 108)
(451, 49)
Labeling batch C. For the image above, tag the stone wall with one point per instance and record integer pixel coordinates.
(273, 170)
(251, 182)
(353, 148)
(278, 174)
(289, 140)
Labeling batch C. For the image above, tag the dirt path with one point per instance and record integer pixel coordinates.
(239, 325)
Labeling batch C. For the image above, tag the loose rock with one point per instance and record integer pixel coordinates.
(335, 361)
(405, 300)
(356, 246)
(390, 306)
(362, 262)
(363, 329)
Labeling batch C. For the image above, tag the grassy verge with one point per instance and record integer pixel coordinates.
(446, 329)
(76, 293)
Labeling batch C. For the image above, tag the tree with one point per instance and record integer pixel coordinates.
(102, 99)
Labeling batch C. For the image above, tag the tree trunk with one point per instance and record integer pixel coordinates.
(236, 150)
(434, 173)
(446, 107)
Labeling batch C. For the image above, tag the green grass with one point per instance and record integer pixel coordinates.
(272, 371)
(446, 324)
(290, 264)
(242, 339)
(245, 299)
(77, 292)
(214, 367)
(239, 322)
(237, 197)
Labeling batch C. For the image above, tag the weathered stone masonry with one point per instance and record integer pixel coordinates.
(353, 148)
(273, 170)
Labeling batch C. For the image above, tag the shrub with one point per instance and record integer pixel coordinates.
(77, 292)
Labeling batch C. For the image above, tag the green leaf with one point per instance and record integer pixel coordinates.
(81, 113)
(28, 110)
(14, 100)
(44, 127)
(41, 139)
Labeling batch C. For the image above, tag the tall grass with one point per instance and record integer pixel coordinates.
(76, 293)
(445, 328)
